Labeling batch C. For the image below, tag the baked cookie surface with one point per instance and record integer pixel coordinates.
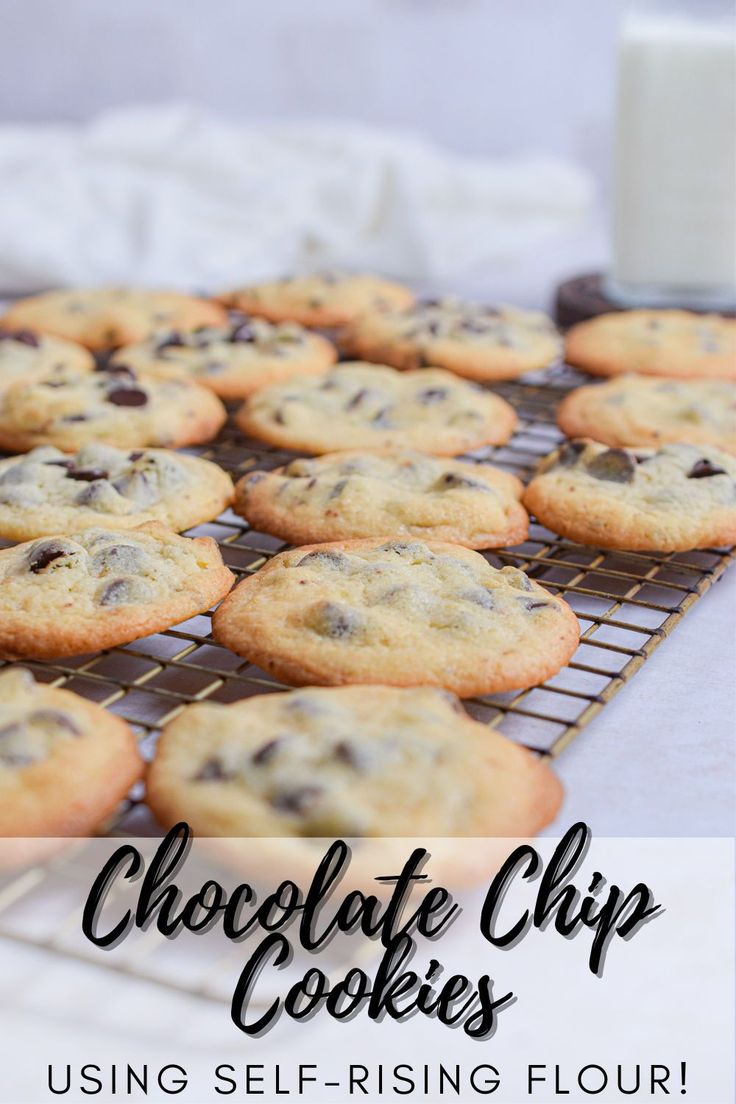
(642, 410)
(678, 498)
(348, 761)
(674, 343)
(103, 318)
(233, 361)
(348, 495)
(399, 613)
(322, 299)
(72, 409)
(371, 406)
(69, 595)
(25, 355)
(472, 340)
(46, 491)
(65, 763)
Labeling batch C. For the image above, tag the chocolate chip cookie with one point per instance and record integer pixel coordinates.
(322, 299)
(233, 361)
(346, 495)
(472, 340)
(677, 498)
(47, 491)
(672, 343)
(399, 613)
(69, 595)
(65, 763)
(642, 410)
(71, 409)
(25, 355)
(351, 761)
(370, 406)
(103, 318)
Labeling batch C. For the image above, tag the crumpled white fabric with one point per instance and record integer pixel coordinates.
(170, 195)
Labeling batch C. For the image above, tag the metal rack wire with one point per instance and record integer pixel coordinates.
(627, 605)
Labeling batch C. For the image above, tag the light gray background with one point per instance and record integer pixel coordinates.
(480, 76)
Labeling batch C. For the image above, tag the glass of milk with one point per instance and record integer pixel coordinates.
(675, 161)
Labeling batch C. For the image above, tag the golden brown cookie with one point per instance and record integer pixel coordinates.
(672, 500)
(371, 406)
(347, 495)
(322, 299)
(25, 355)
(674, 343)
(397, 613)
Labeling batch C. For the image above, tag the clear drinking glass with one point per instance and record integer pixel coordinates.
(674, 234)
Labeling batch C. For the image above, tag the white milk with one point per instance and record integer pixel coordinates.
(675, 179)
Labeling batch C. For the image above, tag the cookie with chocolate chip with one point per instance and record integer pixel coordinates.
(103, 318)
(348, 495)
(71, 409)
(403, 613)
(476, 341)
(670, 500)
(374, 407)
(233, 361)
(47, 491)
(321, 299)
(25, 355)
(642, 410)
(674, 343)
(352, 761)
(65, 763)
(69, 595)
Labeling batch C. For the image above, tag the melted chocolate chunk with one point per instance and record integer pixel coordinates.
(46, 553)
(87, 475)
(534, 603)
(53, 718)
(68, 464)
(127, 396)
(75, 418)
(299, 800)
(134, 456)
(121, 371)
(266, 753)
(383, 418)
(479, 596)
(337, 489)
(173, 341)
(702, 469)
(451, 480)
(117, 593)
(118, 557)
(324, 558)
(432, 395)
(614, 466)
(25, 337)
(213, 771)
(346, 752)
(358, 398)
(15, 728)
(243, 334)
(568, 453)
(335, 621)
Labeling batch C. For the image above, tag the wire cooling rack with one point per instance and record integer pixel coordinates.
(627, 604)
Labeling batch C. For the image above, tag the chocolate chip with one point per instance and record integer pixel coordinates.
(383, 418)
(334, 620)
(118, 557)
(347, 752)
(614, 466)
(430, 303)
(337, 489)
(121, 371)
(701, 469)
(87, 475)
(174, 340)
(127, 396)
(242, 334)
(213, 771)
(358, 398)
(75, 418)
(568, 454)
(452, 480)
(298, 800)
(324, 558)
(266, 753)
(432, 395)
(134, 456)
(532, 604)
(479, 596)
(25, 337)
(54, 719)
(68, 464)
(11, 730)
(124, 591)
(46, 553)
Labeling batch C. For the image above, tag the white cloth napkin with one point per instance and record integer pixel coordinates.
(170, 195)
